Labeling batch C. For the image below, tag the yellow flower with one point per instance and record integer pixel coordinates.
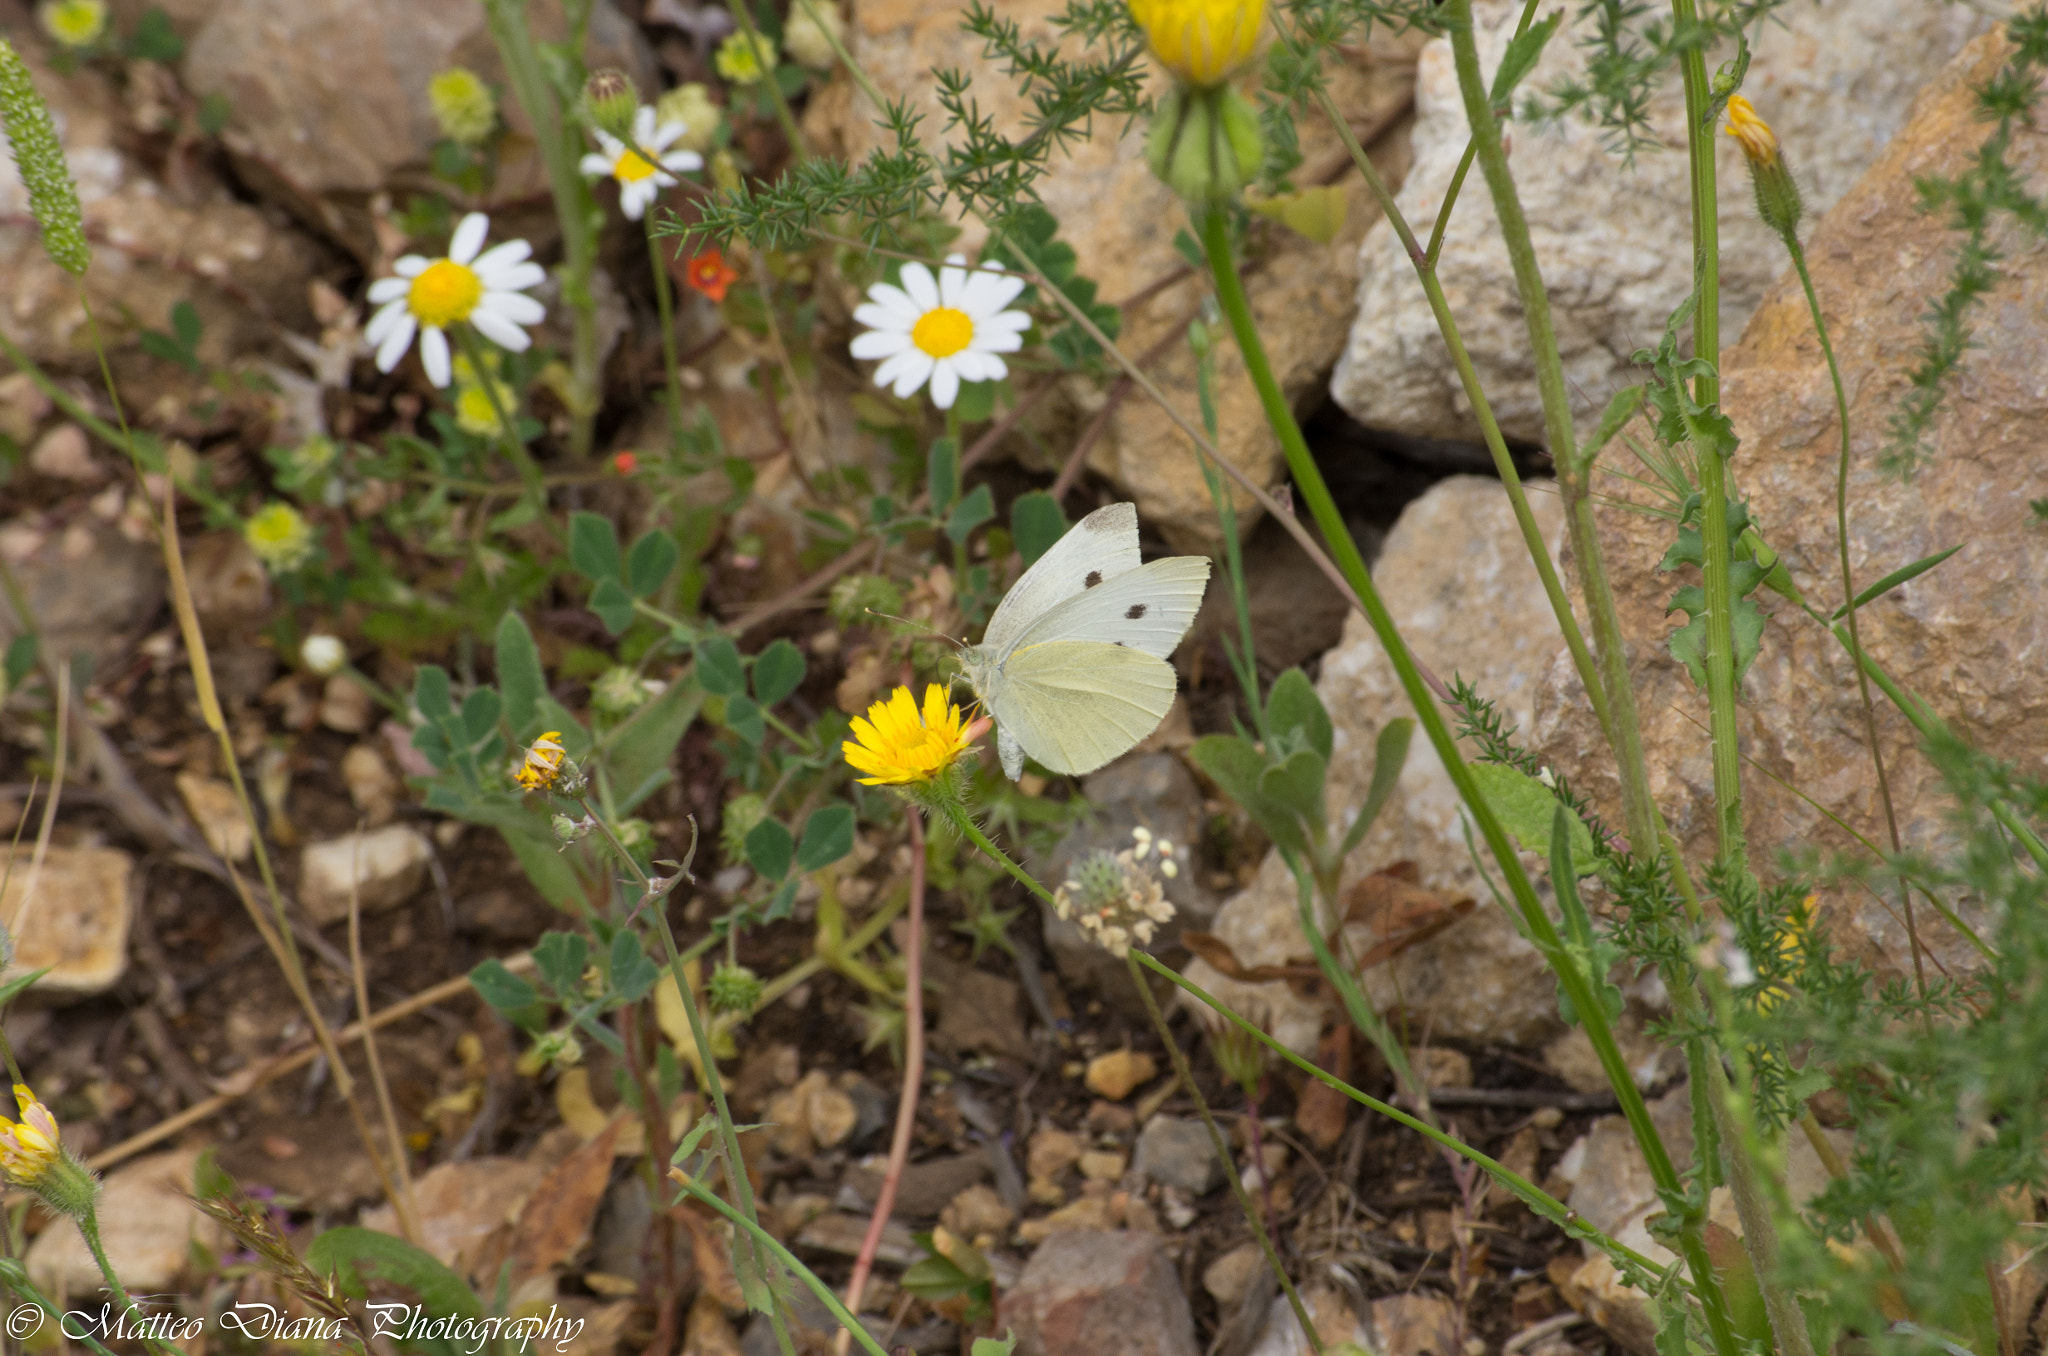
(1759, 142)
(543, 763)
(743, 61)
(74, 23)
(1203, 42)
(29, 1148)
(463, 105)
(281, 539)
(897, 745)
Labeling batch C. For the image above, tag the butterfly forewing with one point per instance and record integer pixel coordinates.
(1101, 547)
(1149, 608)
(1076, 704)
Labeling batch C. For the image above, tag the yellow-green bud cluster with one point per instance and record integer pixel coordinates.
(464, 106)
(39, 156)
(1205, 143)
(733, 988)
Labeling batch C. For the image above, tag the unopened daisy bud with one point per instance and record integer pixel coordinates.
(1777, 193)
(463, 105)
(1205, 143)
(812, 32)
(733, 988)
(75, 24)
(324, 655)
(39, 156)
(1202, 41)
(612, 101)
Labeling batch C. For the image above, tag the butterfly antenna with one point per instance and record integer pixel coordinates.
(918, 624)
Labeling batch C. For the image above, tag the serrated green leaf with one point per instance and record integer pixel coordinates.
(520, 679)
(593, 546)
(1525, 807)
(778, 671)
(828, 836)
(770, 849)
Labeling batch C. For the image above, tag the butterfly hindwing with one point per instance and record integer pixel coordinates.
(1076, 704)
(1149, 608)
(1102, 546)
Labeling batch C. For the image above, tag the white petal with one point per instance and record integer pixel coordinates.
(1003, 322)
(879, 344)
(953, 287)
(381, 323)
(643, 124)
(919, 287)
(956, 258)
(1000, 341)
(666, 135)
(516, 307)
(467, 240)
(994, 291)
(878, 317)
(682, 162)
(908, 370)
(517, 278)
(633, 199)
(411, 265)
(612, 147)
(493, 326)
(500, 257)
(594, 165)
(434, 354)
(397, 342)
(896, 303)
(388, 289)
(945, 383)
(978, 365)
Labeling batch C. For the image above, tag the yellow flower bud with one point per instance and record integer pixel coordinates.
(1204, 42)
(1777, 193)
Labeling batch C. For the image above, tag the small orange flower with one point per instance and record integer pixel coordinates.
(625, 463)
(711, 275)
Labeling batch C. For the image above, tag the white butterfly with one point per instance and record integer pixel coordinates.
(1073, 664)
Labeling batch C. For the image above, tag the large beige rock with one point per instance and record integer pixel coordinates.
(74, 921)
(1834, 81)
(147, 1225)
(1122, 222)
(1967, 637)
(89, 586)
(1460, 587)
(381, 867)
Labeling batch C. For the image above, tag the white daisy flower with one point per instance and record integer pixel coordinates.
(944, 332)
(646, 167)
(429, 295)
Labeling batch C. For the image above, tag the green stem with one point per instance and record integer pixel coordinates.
(89, 1227)
(1253, 1215)
(957, 815)
(766, 1241)
(508, 433)
(1537, 923)
(744, 17)
(664, 301)
(575, 209)
(1884, 785)
(1443, 214)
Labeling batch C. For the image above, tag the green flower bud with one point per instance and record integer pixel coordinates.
(39, 156)
(612, 100)
(733, 988)
(569, 830)
(1205, 143)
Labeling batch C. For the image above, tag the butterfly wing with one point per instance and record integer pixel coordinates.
(1076, 704)
(1100, 547)
(1149, 608)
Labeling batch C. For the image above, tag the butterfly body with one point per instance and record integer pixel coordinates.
(1073, 665)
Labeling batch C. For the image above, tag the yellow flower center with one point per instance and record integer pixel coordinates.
(445, 293)
(631, 167)
(942, 332)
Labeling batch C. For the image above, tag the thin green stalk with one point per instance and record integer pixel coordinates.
(1309, 480)
(89, 1226)
(1246, 660)
(957, 815)
(1443, 215)
(664, 301)
(508, 432)
(1253, 1215)
(744, 17)
(1884, 785)
(766, 1241)
(575, 209)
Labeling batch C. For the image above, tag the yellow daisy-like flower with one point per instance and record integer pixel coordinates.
(29, 1148)
(279, 536)
(741, 60)
(543, 765)
(1204, 42)
(1759, 142)
(74, 23)
(463, 105)
(899, 745)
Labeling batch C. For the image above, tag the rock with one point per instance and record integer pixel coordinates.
(76, 922)
(146, 1225)
(1230, 1277)
(386, 866)
(1459, 585)
(64, 454)
(1439, 1067)
(370, 783)
(978, 1011)
(1088, 1293)
(230, 588)
(1120, 1073)
(978, 1214)
(1157, 792)
(1103, 1165)
(1179, 1154)
(618, 1237)
(465, 1208)
(812, 1115)
(346, 705)
(925, 1188)
(1964, 637)
(88, 587)
(1052, 1151)
(1122, 223)
(1414, 1325)
(22, 406)
(1834, 85)
(840, 1233)
(331, 95)
(215, 809)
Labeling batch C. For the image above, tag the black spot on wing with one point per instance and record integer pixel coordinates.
(1135, 611)
(1094, 578)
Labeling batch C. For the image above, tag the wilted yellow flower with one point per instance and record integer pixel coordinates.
(1777, 193)
(1759, 142)
(281, 539)
(463, 105)
(29, 1148)
(74, 23)
(1204, 42)
(742, 60)
(543, 763)
(897, 745)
